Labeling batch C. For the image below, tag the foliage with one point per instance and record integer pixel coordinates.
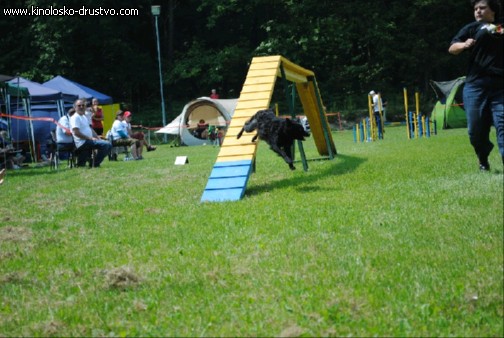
(384, 45)
(383, 240)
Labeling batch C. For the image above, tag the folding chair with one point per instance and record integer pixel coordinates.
(89, 155)
(118, 149)
(56, 149)
(63, 148)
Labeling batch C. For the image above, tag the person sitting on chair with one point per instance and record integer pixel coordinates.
(85, 138)
(201, 130)
(12, 158)
(139, 136)
(64, 139)
(120, 137)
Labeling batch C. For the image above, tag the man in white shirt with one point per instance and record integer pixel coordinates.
(85, 137)
(377, 111)
(64, 137)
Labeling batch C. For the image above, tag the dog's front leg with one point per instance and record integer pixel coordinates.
(284, 155)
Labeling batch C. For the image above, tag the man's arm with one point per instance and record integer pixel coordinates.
(77, 132)
(458, 47)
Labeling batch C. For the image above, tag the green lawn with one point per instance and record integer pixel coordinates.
(392, 238)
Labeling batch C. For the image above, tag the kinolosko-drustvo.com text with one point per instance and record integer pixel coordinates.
(56, 11)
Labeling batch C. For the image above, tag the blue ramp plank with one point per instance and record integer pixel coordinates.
(230, 171)
(227, 181)
(222, 195)
(232, 163)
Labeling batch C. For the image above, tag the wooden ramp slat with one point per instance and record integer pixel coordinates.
(253, 105)
(252, 96)
(233, 141)
(262, 88)
(223, 195)
(259, 79)
(240, 149)
(239, 122)
(235, 158)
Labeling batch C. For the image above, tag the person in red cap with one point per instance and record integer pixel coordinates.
(118, 135)
(140, 136)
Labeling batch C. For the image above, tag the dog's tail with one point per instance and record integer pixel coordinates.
(240, 133)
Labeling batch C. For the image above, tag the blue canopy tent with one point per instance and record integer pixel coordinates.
(4, 77)
(4, 125)
(70, 87)
(42, 103)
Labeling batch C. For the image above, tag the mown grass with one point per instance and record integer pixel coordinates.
(393, 238)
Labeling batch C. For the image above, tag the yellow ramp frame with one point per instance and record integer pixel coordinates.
(232, 169)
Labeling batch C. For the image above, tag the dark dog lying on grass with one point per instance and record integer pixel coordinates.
(279, 133)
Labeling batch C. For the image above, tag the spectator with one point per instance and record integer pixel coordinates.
(96, 117)
(201, 130)
(88, 113)
(86, 139)
(11, 158)
(140, 136)
(120, 137)
(220, 135)
(212, 135)
(64, 138)
(214, 95)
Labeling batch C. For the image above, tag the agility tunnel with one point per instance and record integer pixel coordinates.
(235, 161)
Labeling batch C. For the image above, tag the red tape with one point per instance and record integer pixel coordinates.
(45, 119)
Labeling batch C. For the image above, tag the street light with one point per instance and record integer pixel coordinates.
(156, 11)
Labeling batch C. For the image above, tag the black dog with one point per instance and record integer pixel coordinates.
(279, 133)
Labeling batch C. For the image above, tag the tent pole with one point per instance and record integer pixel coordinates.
(33, 145)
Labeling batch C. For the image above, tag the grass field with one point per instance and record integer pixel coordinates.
(392, 238)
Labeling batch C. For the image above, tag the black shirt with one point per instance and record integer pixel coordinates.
(486, 54)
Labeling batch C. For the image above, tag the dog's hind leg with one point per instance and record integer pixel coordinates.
(249, 126)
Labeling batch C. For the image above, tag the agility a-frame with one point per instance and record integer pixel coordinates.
(235, 161)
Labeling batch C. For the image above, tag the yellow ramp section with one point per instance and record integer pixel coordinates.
(231, 171)
(229, 177)
(255, 95)
(308, 98)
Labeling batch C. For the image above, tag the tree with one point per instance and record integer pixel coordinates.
(387, 45)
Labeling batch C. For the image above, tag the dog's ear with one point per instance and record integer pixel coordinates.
(288, 121)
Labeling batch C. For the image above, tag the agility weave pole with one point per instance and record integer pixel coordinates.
(417, 124)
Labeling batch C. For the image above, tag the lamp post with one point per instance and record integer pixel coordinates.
(156, 11)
